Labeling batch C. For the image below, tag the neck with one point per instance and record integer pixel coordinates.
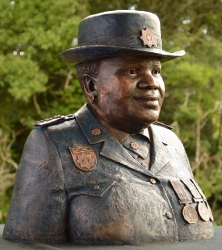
(129, 128)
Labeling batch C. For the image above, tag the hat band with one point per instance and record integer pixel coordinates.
(124, 41)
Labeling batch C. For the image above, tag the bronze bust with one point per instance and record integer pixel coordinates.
(110, 173)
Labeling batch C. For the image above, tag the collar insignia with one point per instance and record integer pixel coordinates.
(147, 38)
(96, 131)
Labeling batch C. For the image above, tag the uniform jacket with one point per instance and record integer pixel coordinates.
(117, 202)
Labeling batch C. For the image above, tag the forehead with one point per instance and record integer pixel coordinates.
(132, 61)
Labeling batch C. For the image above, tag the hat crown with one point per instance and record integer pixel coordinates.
(120, 28)
(118, 33)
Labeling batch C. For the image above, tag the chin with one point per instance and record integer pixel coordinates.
(151, 116)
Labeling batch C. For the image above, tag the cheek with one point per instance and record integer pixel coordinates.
(115, 93)
(109, 98)
(162, 88)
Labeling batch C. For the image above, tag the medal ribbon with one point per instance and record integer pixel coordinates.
(181, 192)
(198, 188)
(194, 190)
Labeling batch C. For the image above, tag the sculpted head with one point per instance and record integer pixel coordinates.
(118, 65)
(125, 92)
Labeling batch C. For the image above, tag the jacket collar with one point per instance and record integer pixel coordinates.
(88, 124)
(113, 150)
(160, 147)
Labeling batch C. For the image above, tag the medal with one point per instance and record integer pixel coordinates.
(203, 211)
(190, 214)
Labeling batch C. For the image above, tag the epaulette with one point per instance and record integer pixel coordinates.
(163, 125)
(53, 120)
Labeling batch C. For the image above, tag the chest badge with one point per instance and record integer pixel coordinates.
(84, 157)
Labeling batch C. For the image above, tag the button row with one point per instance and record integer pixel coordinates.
(152, 181)
(169, 215)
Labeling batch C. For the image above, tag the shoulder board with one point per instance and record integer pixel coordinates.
(163, 125)
(53, 120)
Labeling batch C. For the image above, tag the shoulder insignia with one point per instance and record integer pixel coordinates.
(163, 125)
(53, 120)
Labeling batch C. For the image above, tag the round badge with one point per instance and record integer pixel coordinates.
(190, 214)
(203, 211)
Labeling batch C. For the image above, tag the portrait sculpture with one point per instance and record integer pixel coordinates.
(110, 173)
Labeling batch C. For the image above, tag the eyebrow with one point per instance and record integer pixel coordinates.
(156, 63)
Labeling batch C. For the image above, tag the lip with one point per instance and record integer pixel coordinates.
(147, 98)
(148, 101)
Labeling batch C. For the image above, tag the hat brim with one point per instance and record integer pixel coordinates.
(82, 54)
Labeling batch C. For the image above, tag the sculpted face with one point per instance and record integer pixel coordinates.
(129, 92)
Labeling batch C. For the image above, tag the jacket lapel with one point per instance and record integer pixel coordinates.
(159, 149)
(111, 148)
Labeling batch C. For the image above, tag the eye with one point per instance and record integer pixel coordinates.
(156, 73)
(133, 73)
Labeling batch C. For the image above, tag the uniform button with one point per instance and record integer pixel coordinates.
(152, 181)
(96, 187)
(169, 215)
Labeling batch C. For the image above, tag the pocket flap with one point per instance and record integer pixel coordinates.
(98, 188)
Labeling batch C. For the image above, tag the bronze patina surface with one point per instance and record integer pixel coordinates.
(147, 38)
(110, 173)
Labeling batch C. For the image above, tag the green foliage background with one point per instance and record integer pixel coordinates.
(35, 84)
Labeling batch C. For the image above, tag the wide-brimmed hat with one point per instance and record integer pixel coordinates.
(118, 33)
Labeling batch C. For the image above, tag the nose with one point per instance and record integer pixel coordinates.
(148, 81)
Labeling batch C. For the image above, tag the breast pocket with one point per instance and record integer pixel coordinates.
(89, 209)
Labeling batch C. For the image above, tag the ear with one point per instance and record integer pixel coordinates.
(89, 85)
